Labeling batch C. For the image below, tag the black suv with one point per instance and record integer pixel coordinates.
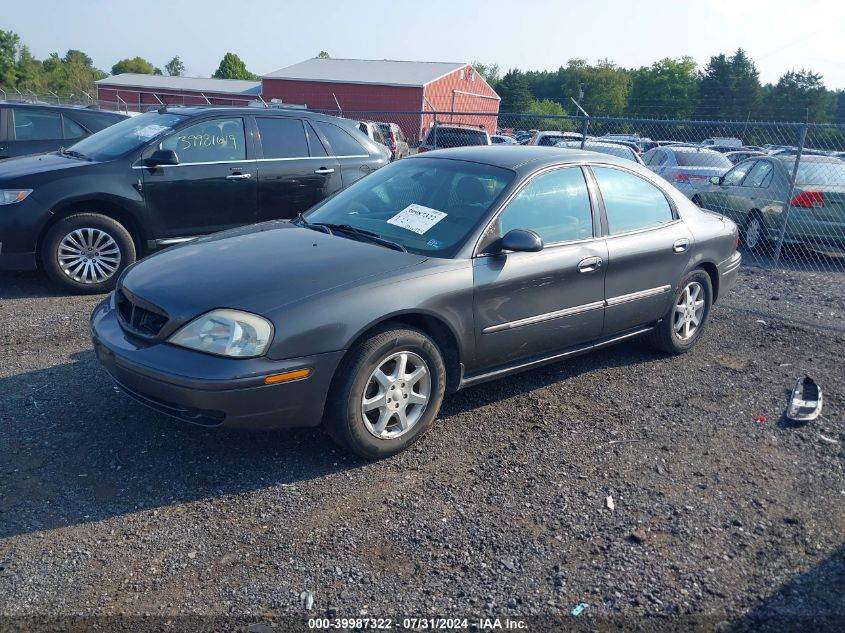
(164, 177)
(453, 135)
(27, 128)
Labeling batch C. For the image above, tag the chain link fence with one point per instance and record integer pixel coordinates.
(782, 183)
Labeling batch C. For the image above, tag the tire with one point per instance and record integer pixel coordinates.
(70, 256)
(355, 383)
(676, 334)
(754, 234)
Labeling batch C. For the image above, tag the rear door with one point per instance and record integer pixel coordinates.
(214, 186)
(354, 159)
(648, 249)
(532, 304)
(295, 171)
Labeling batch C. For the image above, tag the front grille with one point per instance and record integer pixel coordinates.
(138, 320)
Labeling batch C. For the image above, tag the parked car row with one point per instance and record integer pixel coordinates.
(87, 212)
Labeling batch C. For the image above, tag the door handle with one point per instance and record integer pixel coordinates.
(324, 170)
(589, 264)
(680, 245)
(239, 177)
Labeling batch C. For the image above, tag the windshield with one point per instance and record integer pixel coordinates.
(455, 137)
(704, 158)
(127, 135)
(427, 205)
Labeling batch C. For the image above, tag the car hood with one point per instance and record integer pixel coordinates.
(258, 269)
(22, 166)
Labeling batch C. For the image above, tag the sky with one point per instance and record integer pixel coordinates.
(527, 34)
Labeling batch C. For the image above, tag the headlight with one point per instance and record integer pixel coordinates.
(11, 196)
(226, 333)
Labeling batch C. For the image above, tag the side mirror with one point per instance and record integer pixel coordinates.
(521, 241)
(716, 180)
(162, 157)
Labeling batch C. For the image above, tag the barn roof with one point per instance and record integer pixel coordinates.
(382, 72)
(192, 84)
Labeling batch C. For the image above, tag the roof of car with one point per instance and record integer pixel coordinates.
(386, 72)
(807, 158)
(299, 112)
(520, 157)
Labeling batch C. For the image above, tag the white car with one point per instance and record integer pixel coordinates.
(552, 138)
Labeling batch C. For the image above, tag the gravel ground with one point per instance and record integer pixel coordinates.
(502, 510)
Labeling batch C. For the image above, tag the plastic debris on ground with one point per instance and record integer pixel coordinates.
(579, 609)
(805, 403)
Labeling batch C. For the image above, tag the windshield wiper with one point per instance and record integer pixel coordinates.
(369, 235)
(73, 153)
(300, 220)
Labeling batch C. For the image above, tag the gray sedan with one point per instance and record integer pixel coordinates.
(754, 195)
(430, 275)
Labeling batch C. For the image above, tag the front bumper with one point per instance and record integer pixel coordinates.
(210, 390)
(20, 227)
(728, 272)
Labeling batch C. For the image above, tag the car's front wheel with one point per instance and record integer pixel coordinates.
(387, 392)
(683, 325)
(86, 252)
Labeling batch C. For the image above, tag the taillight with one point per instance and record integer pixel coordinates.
(681, 177)
(422, 149)
(808, 200)
(392, 140)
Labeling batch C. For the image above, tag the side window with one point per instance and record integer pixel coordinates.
(314, 141)
(556, 205)
(282, 138)
(341, 141)
(735, 175)
(37, 125)
(209, 141)
(631, 202)
(760, 175)
(660, 157)
(72, 129)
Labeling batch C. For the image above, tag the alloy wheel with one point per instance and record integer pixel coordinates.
(396, 395)
(89, 256)
(753, 233)
(689, 311)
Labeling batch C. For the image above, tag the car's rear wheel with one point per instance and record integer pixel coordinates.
(86, 252)
(387, 392)
(755, 236)
(686, 319)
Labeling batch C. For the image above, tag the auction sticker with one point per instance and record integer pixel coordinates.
(417, 218)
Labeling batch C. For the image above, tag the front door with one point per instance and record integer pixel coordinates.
(647, 250)
(214, 186)
(719, 197)
(296, 172)
(532, 304)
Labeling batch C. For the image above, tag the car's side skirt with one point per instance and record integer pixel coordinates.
(524, 365)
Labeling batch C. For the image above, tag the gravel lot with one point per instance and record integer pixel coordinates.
(109, 509)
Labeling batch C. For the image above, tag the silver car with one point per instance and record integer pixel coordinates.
(688, 168)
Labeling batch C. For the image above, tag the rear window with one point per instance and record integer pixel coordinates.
(827, 173)
(96, 121)
(614, 150)
(454, 137)
(702, 159)
(385, 129)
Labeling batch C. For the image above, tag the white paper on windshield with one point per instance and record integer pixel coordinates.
(149, 131)
(417, 218)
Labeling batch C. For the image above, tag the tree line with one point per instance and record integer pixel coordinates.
(74, 73)
(727, 88)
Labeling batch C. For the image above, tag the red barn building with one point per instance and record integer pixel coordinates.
(383, 89)
(140, 92)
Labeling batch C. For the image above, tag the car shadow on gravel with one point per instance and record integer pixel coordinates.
(28, 285)
(73, 449)
(812, 601)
